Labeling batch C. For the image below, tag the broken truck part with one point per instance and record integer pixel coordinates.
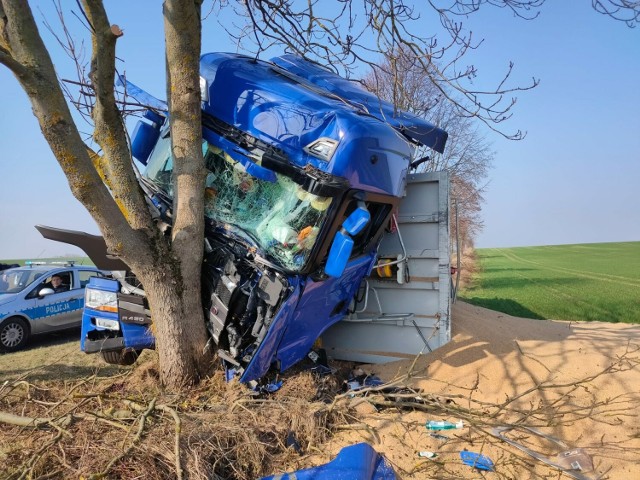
(306, 172)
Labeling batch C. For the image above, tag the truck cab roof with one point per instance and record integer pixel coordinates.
(316, 118)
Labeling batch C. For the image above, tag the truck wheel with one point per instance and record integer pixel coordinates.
(14, 333)
(120, 357)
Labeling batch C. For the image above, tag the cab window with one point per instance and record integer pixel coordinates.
(48, 282)
(85, 275)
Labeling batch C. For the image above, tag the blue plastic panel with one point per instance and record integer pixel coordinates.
(135, 336)
(357, 220)
(357, 462)
(144, 98)
(322, 304)
(266, 352)
(144, 138)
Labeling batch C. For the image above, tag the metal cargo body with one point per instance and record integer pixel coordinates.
(403, 307)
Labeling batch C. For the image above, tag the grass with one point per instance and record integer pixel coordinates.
(591, 282)
(53, 355)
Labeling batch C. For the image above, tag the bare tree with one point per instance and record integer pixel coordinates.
(348, 35)
(344, 34)
(106, 184)
(468, 155)
(627, 11)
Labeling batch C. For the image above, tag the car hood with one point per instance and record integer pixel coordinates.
(7, 297)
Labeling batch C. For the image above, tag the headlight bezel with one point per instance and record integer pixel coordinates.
(101, 300)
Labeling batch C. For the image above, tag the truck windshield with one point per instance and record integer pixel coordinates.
(283, 219)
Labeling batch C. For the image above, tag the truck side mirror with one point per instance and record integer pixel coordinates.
(145, 136)
(357, 220)
(342, 245)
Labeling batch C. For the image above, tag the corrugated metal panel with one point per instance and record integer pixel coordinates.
(397, 320)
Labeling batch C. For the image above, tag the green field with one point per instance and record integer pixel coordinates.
(598, 281)
(77, 260)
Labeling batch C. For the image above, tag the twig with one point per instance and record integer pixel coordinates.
(178, 429)
(31, 462)
(37, 422)
(136, 439)
(360, 426)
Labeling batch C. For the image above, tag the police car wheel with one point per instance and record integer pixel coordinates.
(120, 357)
(14, 333)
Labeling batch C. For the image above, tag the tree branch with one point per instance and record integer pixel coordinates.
(57, 125)
(110, 132)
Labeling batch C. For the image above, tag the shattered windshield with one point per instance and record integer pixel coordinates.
(283, 219)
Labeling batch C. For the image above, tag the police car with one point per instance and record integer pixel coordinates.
(40, 298)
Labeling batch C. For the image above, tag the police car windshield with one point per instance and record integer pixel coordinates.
(15, 280)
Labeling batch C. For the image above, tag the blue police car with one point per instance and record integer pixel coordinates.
(40, 298)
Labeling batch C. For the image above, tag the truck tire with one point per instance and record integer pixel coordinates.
(120, 357)
(14, 333)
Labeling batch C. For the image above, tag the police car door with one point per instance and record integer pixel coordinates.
(61, 310)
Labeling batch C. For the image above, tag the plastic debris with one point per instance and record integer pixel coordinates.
(270, 387)
(442, 425)
(356, 462)
(323, 370)
(320, 363)
(427, 454)
(292, 442)
(439, 436)
(229, 374)
(575, 459)
(358, 380)
(476, 460)
(570, 472)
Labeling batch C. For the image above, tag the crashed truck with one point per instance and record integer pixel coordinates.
(318, 233)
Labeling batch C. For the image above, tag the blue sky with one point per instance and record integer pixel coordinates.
(574, 179)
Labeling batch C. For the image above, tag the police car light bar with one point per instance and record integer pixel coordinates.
(68, 263)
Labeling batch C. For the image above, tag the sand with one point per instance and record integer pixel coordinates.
(576, 381)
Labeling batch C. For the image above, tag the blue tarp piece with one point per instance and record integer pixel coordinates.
(476, 460)
(357, 462)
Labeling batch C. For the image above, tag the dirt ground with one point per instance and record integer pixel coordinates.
(578, 382)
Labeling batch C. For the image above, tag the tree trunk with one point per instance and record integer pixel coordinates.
(183, 339)
(106, 185)
(179, 328)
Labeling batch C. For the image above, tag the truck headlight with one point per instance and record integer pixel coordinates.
(101, 300)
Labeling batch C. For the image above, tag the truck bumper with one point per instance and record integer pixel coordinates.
(103, 345)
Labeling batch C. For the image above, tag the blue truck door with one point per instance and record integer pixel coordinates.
(322, 304)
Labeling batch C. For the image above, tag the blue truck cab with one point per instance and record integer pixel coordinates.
(304, 172)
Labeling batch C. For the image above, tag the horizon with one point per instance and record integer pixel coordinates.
(83, 256)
